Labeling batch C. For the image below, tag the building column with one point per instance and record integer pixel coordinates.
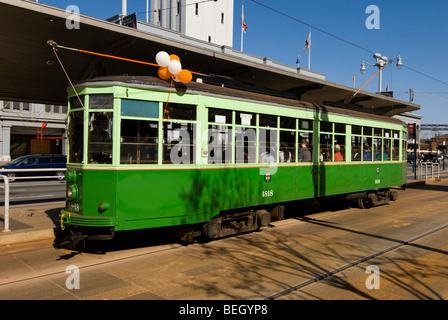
(5, 141)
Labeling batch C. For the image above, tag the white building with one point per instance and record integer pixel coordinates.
(210, 21)
(21, 125)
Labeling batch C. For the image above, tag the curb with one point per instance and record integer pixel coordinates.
(424, 182)
(15, 237)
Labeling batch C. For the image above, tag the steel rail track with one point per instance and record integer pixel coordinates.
(352, 264)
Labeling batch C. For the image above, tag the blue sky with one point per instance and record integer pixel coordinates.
(417, 30)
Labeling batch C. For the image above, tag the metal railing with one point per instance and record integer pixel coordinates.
(6, 180)
(424, 167)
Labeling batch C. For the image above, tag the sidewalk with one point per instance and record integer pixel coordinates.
(31, 222)
(40, 221)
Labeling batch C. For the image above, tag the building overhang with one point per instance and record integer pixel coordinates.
(30, 71)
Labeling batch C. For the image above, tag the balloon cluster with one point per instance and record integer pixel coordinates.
(170, 67)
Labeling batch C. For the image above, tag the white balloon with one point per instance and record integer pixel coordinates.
(174, 67)
(162, 59)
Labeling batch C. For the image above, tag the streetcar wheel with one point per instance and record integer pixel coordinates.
(263, 218)
(361, 203)
(278, 213)
(210, 229)
(393, 195)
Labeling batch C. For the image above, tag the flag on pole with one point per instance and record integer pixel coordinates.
(307, 42)
(243, 25)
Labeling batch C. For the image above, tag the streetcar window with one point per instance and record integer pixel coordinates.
(387, 133)
(76, 137)
(326, 126)
(377, 149)
(325, 152)
(139, 108)
(396, 150)
(245, 144)
(404, 146)
(308, 125)
(356, 148)
(305, 147)
(367, 131)
(356, 130)
(219, 144)
(268, 148)
(339, 148)
(219, 116)
(75, 102)
(100, 137)
(181, 111)
(339, 128)
(268, 121)
(367, 149)
(287, 146)
(178, 143)
(287, 123)
(378, 132)
(386, 150)
(395, 134)
(245, 118)
(138, 142)
(101, 101)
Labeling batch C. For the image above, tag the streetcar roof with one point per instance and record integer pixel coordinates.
(270, 97)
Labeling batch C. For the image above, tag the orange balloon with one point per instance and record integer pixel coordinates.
(184, 76)
(174, 57)
(163, 73)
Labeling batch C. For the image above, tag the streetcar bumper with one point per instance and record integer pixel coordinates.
(70, 218)
(85, 227)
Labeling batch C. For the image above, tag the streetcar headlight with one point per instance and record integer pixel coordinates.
(72, 192)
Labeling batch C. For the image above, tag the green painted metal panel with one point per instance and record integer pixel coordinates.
(158, 198)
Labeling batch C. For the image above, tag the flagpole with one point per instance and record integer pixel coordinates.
(309, 55)
(242, 17)
(309, 58)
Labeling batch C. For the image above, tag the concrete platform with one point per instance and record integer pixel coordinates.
(31, 222)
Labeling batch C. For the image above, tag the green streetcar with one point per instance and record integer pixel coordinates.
(213, 160)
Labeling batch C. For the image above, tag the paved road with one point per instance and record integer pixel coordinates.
(31, 191)
(257, 265)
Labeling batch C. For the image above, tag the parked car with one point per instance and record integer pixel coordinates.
(37, 162)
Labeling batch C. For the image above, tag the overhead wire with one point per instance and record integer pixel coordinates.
(339, 38)
(313, 27)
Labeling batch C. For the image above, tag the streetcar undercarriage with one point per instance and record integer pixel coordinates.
(231, 222)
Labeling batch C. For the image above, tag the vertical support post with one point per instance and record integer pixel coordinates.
(6, 223)
(124, 7)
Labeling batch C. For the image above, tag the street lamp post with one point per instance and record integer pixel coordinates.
(381, 62)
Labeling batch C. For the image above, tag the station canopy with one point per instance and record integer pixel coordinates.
(30, 71)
